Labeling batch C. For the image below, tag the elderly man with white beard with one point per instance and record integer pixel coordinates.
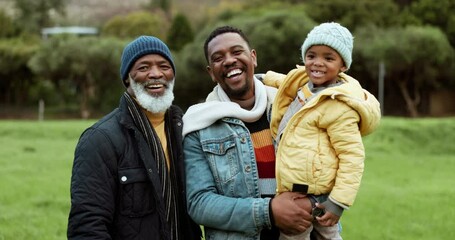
(128, 175)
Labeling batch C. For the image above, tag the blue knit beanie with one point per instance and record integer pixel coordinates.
(141, 46)
(333, 35)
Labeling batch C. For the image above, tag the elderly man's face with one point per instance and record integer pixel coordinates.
(152, 82)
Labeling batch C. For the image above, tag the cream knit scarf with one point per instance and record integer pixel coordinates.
(202, 115)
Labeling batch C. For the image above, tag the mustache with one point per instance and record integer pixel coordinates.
(153, 81)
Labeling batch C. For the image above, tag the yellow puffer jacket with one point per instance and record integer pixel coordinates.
(321, 145)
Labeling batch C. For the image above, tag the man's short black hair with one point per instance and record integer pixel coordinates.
(219, 31)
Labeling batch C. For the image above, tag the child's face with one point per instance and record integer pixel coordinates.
(323, 64)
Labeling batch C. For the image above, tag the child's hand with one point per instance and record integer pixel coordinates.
(328, 219)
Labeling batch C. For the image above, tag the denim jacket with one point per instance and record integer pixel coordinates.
(222, 182)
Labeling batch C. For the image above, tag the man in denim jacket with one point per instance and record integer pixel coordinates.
(228, 150)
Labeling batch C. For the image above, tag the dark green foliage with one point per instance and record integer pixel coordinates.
(85, 71)
(419, 58)
(352, 14)
(164, 5)
(36, 14)
(180, 33)
(416, 58)
(276, 35)
(15, 75)
(440, 14)
(410, 48)
(136, 24)
(192, 81)
(7, 26)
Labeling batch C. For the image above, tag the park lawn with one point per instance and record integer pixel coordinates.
(407, 190)
(35, 169)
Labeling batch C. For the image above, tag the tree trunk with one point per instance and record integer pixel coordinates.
(411, 104)
(85, 113)
(87, 93)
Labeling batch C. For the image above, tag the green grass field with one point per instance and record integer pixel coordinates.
(407, 190)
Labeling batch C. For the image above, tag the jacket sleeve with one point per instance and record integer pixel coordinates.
(208, 206)
(92, 188)
(273, 79)
(347, 142)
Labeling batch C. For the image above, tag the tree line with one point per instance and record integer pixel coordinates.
(413, 40)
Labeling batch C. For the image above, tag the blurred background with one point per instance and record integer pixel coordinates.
(60, 58)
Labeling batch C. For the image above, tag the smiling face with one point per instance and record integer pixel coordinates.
(231, 65)
(322, 64)
(154, 72)
(151, 82)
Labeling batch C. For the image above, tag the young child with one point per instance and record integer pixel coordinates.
(318, 119)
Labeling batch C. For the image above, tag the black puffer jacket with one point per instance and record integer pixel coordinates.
(115, 189)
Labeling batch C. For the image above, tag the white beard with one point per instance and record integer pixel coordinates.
(154, 104)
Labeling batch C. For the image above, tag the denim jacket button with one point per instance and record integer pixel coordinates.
(248, 168)
(243, 140)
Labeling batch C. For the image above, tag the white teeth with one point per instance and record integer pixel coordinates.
(317, 72)
(233, 72)
(155, 86)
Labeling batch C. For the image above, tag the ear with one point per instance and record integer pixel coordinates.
(210, 72)
(254, 57)
(343, 69)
